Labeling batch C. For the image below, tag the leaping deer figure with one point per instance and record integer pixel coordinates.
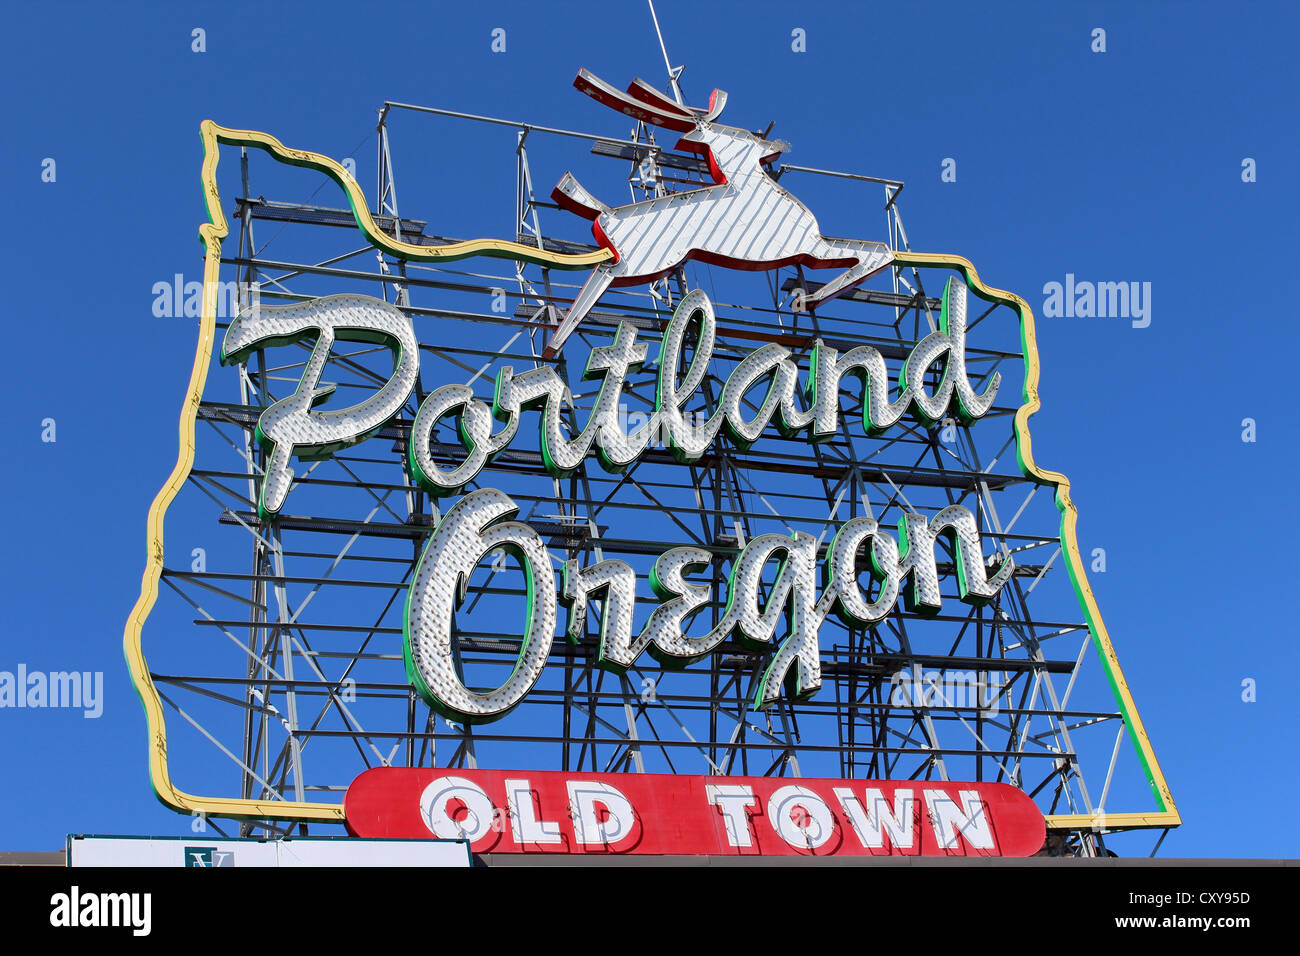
(745, 221)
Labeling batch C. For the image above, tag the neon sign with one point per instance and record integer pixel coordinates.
(477, 525)
(858, 573)
(539, 811)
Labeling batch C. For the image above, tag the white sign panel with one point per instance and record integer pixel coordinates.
(299, 851)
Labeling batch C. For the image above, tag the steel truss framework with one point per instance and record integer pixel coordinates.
(296, 674)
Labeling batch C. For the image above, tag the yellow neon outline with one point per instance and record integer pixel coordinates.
(1167, 815)
(217, 229)
(211, 234)
(449, 252)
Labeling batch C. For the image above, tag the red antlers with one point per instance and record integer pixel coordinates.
(643, 102)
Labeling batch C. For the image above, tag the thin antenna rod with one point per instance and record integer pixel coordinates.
(672, 74)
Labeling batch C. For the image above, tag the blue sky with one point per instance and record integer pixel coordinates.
(1117, 166)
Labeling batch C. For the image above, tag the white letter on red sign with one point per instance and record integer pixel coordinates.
(870, 824)
(732, 801)
(588, 827)
(800, 817)
(523, 819)
(477, 822)
(951, 821)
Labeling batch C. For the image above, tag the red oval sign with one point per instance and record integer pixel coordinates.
(543, 811)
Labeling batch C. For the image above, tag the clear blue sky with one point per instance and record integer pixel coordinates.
(1117, 166)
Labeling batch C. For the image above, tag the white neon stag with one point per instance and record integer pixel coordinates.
(745, 221)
